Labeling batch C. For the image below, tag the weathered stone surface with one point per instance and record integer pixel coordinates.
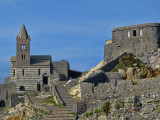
(122, 72)
(130, 73)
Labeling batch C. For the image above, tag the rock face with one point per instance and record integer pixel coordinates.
(130, 73)
(71, 83)
(75, 91)
(91, 71)
(151, 59)
(122, 72)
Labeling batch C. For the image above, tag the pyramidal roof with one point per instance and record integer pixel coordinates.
(23, 33)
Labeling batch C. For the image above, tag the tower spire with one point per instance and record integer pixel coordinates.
(23, 33)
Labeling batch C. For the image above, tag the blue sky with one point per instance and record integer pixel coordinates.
(75, 30)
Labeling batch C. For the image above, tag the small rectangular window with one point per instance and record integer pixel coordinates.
(22, 56)
(23, 72)
(39, 72)
(141, 33)
(14, 73)
(134, 32)
(128, 34)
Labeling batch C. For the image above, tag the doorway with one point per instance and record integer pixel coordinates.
(2, 103)
(45, 80)
(38, 86)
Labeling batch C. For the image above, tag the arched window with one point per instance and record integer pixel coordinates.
(22, 46)
(22, 88)
(45, 79)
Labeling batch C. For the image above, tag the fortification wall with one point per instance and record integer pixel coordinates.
(5, 91)
(124, 88)
(136, 39)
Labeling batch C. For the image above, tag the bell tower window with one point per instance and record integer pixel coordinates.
(23, 46)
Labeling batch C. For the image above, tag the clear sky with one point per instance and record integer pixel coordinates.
(74, 30)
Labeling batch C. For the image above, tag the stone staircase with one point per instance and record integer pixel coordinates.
(64, 113)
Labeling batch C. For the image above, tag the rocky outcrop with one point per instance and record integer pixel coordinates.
(91, 71)
(151, 59)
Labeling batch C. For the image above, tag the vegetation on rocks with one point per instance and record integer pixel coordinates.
(127, 61)
(131, 68)
(105, 107)
(26, 112)
(50, 101)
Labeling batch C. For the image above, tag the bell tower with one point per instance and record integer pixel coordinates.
(23, 47)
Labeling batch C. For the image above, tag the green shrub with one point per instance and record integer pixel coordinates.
(91, 112)
(86, 114)
(117, 106)
(128, 61)
(96, 111)
(105, 107)
(74, 113)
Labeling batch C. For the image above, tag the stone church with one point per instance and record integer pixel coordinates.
(36, 72)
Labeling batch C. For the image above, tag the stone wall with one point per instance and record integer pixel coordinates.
(5, 92)
(61, 69)
(95, 95)
(136, 44)
(16, 99)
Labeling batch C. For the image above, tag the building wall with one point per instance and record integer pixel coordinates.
(5, 91)
(138, 44)
(60, 68)
(31, 76)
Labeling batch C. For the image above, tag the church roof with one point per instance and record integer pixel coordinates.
(23, 33)
(38, 60)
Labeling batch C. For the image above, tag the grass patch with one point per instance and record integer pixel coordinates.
(105, 107)
(3, 108)
(128, 61)
(50, 101)
(119, 104)
(74, 113)
(86, 114)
